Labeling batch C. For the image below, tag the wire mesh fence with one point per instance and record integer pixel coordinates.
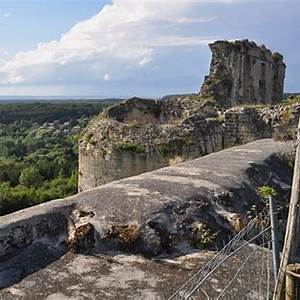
(241, 270)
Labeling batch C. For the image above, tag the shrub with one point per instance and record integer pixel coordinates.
(30, 177)
(132, 147)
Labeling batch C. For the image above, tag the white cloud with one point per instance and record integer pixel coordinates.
(123, 35)
(107, 77)
(195, 20)
(7, 15)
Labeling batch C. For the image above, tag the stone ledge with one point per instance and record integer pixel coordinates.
(213, 191)
(162, 206)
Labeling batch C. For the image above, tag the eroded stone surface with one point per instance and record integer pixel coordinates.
(139, 136)
(245, 124)
(77, 276)
(122, 150)
(151, 214)
(47, 223)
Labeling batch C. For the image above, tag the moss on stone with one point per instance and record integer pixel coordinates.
(132, 147)
(287, 116)
(292, 100)
(90, 139)
(205, 237)
(187, 141)
(221, 118)
(163, 149)
(128, 234)
(255, 106)
(93, 142)
(83, 239)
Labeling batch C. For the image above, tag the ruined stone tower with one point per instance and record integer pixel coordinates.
(243, 73)
(138, 135)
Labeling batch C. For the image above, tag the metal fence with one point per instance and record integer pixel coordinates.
(241, 270)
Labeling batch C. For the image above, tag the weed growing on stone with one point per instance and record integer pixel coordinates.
(132, 147)
(266, 191)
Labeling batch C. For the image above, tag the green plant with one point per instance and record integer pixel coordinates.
(89, 137)
(163, 149)
(266, 191)
(132, 147)
(221, 118)
(93, 142)
(134, 125)
(292, 100)
(187, 141)
(30, 177)
(205, 238)
(39, 150)
(286, 116)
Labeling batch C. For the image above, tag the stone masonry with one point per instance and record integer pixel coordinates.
(72, 248)
(96, 244)
(141, 135)
(128, 149)
(243, 73)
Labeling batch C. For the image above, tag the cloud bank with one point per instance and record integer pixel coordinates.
(123, 37)
(128, 40)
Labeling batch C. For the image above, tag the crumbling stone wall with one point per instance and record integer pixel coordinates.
(97, 168)
(154, 213)
(245, 124)
(139, 135)
(125, 150)
(243, 73)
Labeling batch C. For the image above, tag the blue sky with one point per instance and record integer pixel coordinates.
(132, 47)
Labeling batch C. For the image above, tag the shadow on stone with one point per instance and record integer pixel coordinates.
(33, 258)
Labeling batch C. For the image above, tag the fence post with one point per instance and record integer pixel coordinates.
(290, 241)
(290, 284)
(274, 231)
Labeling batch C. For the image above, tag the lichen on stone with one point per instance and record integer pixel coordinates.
(127, 234)
(83, 239)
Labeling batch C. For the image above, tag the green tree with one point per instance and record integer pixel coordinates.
(30, 177)
(9, 171)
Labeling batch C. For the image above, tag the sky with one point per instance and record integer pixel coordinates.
(124, 48)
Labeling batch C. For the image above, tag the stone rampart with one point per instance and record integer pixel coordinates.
(139, 135)
(245, 124)
(128, 149)
(77, 246)
(161, 206)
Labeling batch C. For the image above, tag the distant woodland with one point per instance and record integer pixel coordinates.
(38, 150)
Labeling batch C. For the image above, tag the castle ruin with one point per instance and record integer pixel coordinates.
(138, 135)
(243, 73)
(80, 241)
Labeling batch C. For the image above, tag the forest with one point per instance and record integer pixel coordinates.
(38, 150)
